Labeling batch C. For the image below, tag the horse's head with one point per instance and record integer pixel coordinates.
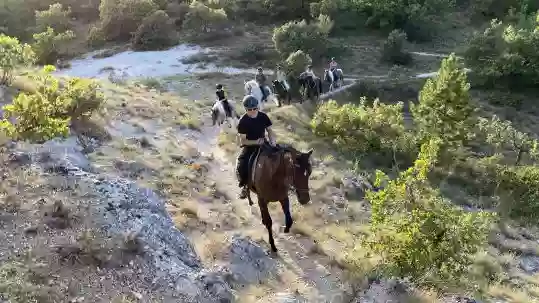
(300, 171)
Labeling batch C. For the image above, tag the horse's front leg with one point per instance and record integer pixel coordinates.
(285, 205)
(266, 220)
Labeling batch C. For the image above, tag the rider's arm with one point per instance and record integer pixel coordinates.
(243, 140)
(271, 135)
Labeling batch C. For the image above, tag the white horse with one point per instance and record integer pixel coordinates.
(329, 77)
(219, 115)
(252, 88)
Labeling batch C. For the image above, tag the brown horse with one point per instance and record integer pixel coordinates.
(273, 172)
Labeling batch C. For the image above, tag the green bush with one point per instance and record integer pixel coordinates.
(46, 113)
(37, 116)
(55, 17)
(312, 38)
(505, 55)
(203, 22)
(296, 63)
(156, 32)
(49, 46)
(13, 54)
(361, 129)
(444, 109)
(392, 50)
(120, 18)
(418, 18)
(417, 234)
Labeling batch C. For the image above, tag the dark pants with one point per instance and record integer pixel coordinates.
(242, 164)
(228, 109)
(263, 89)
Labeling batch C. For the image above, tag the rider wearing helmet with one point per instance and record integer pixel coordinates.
(252, 128)
(261, 80)
(221, 96)
(310, 71)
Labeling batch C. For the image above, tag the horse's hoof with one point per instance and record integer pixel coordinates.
(274, 250)
(287, 229)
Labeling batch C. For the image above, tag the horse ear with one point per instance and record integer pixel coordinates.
(310, 152)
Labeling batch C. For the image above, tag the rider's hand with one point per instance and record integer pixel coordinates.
(272, 144)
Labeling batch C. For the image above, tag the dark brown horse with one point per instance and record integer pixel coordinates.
(274, 171)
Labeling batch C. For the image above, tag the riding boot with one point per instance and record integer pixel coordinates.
(243, 193)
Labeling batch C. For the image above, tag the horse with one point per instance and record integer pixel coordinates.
(335, 78)
(282, 92)
(252, 88)
(219, 114)
(272, 172)
(313, 86)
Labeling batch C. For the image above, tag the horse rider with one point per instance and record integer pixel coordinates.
(333, 67)
(261, 80)
(281, 77)
(221, 96)
(310, 71)
(252, 128)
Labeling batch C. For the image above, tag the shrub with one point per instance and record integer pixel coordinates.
(55, 17)
(46, 114)
(312, 38)
(36, 117)
(49, 45)
(96, 37)
(204, 22)
(505, 54)
(444, 109)
(155, 32)
(360, 129)
(392, 50)
(296, 63)
(418, 18)
(417, 234)
(12, 55)
(120, 18)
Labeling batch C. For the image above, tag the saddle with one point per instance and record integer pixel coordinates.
(266, 150)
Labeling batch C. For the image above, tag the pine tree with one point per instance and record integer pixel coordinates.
(444, 108)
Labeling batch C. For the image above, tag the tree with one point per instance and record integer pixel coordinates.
(55, 17)
(120, 18)
(312, 38)
(417, 233)
(203, 20)
(156, 32)
(12, 55)
(444, 109)
(49, 45)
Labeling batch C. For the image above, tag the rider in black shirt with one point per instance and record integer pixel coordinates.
(252, 129)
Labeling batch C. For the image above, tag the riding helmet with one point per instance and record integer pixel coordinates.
(219, 86)
(250, 102)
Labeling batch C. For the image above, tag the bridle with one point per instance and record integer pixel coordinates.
(292, 187)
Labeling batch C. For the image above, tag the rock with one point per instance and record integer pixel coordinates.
(282, 297)
(133, 168)
(121, 207)
(20, 158)
(250, 263)
(355, 186)
(530, 264)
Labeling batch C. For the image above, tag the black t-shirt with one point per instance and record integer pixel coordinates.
(220, 94)
(254, 128)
